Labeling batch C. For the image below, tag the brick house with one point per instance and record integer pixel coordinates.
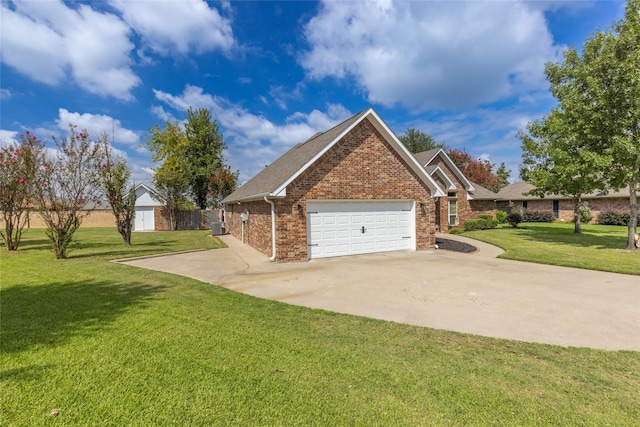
(353, 189)
(463, 199)
(561, 206)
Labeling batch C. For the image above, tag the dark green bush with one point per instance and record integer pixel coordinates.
(501, 216)
(480, 223)
(488, 217)
(515, 216)
(585, 214)
(456, 231)
(537, 216)
(615, 218)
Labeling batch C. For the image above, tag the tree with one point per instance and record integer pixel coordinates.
(417, 141)
(65, 186)
(171, 184)
(119, 192)
(18, 164)
(557, 160)
(598, 95)
(222, 183)
(480, 171)
(203, 152)
(171, 179)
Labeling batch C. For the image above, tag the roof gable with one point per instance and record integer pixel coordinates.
(426, 158)
(274, 179)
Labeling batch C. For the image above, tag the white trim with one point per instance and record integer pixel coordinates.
(389, 137)
(273, 228)
(453, 167)
(450, 184)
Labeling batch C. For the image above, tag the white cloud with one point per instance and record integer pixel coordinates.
(8, 137)
(5, 94)
(253, 140)
(47, 41)
(431, 55)
(178, 26)
(97, 125)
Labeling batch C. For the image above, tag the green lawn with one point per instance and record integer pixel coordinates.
(598, 247)
(110, 344)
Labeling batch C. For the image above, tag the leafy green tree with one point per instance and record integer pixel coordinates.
(120, 193)
(598, 94)
(171, 178)
(557, 160)
(66, 185)
(18, 164)
(203, 152)
(417, 141)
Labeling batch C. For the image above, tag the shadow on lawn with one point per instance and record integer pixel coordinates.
(597, 239)
(53, 313)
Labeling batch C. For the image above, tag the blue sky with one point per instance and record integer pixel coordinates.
(470, 73)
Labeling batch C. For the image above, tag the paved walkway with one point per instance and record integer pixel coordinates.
(472, 293)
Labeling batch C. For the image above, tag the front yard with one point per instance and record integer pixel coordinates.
(599, 247)
(110, 344)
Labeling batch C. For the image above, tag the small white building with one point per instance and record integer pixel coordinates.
(145, 208)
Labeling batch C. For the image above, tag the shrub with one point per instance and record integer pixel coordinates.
(515, 216)
(501, 216)
(615, 218)
(537, 216)
(480, 223)
(456, 231)
(585, 214)
(487, 217)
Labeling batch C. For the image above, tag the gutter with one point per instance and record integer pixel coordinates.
(273, 228)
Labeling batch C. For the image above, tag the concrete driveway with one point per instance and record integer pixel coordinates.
(472, 293)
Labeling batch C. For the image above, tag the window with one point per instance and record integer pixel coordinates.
(524, 204)
(453, 208)
(556, 208)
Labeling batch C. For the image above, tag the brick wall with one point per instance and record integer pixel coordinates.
(479, 207)
(464, 207)
(565, 212)
(362, 166)
(257, 229)
(96, 218)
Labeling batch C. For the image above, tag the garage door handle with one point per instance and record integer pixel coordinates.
(363, 230)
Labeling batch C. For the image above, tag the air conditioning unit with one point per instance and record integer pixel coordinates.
(216, 228)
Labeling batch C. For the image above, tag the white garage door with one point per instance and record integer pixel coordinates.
(144, 219)
(349, 228)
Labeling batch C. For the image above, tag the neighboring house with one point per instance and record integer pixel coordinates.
(149, 215)
(463, 199)
(353, 189)
(562, 206)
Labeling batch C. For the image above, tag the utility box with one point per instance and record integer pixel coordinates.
(216, 228)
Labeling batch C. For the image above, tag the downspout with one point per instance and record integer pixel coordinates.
(273, 228)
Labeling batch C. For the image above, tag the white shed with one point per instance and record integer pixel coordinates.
(145, 204)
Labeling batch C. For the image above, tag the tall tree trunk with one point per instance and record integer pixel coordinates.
(577, 226)
(633, 215)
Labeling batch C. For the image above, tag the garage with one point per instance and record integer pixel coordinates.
(146, 201)
(338, 228)
(354, 189)
(143, 220)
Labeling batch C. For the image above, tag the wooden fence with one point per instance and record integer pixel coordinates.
(197, 219)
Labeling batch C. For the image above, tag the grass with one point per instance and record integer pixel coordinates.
(598, 247)
(110, 344)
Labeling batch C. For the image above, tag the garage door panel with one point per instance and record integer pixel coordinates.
(335, 228)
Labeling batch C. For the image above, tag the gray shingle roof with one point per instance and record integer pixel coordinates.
(481, 193)
(425, 156)
(277, 173)
(515, 192)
